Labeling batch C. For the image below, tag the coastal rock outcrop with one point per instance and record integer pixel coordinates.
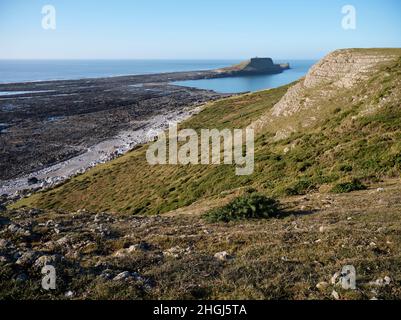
(252, 67)
(341, 69)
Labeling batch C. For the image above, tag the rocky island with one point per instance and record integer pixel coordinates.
(254, 66)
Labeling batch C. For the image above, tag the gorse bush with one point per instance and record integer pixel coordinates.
(248, 206)
(346, 187)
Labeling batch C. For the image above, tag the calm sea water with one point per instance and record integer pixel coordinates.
(253, 83)
(39, 70)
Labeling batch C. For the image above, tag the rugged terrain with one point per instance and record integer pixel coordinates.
(126, 229)
(180, 256)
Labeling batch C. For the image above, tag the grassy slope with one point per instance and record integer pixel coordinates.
(347, 142)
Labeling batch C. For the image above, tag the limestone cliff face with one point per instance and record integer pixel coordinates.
(340, 70)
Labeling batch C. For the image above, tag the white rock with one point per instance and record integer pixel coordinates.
(26, 258)
(176, 252)
(381, 282)
(222, 256)
(322, 285)
(335, 295)
(69, 294)
(122, 276)
(335, 278)
(126, 275)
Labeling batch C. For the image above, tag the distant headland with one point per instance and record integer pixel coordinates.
(254, 66)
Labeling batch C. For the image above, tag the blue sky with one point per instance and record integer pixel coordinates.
(193, 29)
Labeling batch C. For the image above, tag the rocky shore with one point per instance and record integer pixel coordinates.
(51, 130)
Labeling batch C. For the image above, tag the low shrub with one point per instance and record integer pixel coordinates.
(346, 187)
(248, 206)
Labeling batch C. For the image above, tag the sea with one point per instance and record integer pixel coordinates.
(13, 71)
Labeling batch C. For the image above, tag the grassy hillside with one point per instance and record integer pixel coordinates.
(356, 134)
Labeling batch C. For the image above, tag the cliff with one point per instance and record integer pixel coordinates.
(324, 89)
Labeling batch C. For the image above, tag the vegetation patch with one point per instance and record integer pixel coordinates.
(354, 185)
(245, 207)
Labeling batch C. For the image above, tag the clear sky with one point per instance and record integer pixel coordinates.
(193, 29)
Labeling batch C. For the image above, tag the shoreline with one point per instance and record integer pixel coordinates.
(99, 153)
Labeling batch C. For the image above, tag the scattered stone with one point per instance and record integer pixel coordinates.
(126, 275)
(222, 256)
(49, 223)
(322, 229)
(322, 285)
(26, 259)
(18, 230)
(143, 246)
(107, 274)
(381, 282)
(102, 217)
(47, 260)
(380, 189)
(63, 241)
(122, 276)
(69, 294)
(13, 228)
(176, 252)
(336, 278)
(335, 295)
